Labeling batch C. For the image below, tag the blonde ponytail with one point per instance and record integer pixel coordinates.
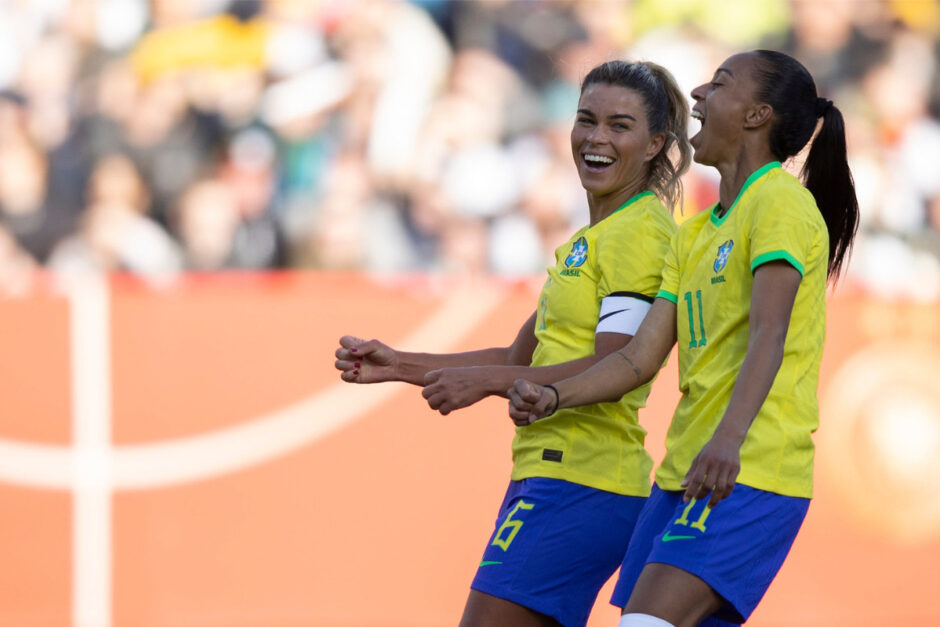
(667, 168)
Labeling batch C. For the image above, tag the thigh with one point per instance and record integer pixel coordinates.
(736, 548)
(554, 545)
(484, 610)
(657, 512)
(674, 595)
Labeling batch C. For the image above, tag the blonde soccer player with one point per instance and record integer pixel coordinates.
(580, 478)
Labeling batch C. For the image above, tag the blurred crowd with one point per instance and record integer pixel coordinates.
(162, 136)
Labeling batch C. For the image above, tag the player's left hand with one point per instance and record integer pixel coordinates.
(448, 389)
(715, 469)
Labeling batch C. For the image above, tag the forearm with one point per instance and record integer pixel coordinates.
(627, 368)
(755, 378)
(607, 380)
(413, 366)
(500, 378)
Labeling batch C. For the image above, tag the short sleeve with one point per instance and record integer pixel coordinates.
(630, 257)
(669, 287)
(784, 230)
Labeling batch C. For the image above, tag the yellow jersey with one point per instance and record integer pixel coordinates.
(600, 445)
(709, 275)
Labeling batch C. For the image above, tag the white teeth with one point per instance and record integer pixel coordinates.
(598, 159)
(698, 115)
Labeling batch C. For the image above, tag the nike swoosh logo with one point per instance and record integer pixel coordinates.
(668, 537)
(486, 563)
(613, 313)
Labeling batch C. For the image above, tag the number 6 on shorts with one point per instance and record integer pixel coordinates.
(512, 525)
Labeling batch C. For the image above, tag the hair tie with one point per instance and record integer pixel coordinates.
(822, 106)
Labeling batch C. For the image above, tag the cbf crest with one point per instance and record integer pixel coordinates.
(723, 251)
(578, 254)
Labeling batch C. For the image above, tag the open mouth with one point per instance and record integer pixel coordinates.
(597, 162)
(698, 115)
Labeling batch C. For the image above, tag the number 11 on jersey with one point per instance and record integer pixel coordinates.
(701, 322)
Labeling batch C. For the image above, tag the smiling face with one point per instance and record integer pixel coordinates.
(722, 106)
(611, 142)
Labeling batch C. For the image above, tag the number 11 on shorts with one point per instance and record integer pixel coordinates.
(698, 524)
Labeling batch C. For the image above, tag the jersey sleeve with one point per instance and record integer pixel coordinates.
(784, 230)
(630, 258)
(669, 287)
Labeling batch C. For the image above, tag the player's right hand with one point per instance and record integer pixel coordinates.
(361, 361)
(529, 402)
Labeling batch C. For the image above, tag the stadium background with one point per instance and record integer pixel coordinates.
(198, 197)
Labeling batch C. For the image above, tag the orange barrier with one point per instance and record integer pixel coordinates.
(243, 484)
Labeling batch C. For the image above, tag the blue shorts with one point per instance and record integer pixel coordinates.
(736, 548)
(555, 544)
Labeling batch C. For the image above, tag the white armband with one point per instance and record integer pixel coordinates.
(622, 312)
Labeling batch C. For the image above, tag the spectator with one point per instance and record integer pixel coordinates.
(415, 123)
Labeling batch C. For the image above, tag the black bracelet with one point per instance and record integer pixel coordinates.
(555, 408)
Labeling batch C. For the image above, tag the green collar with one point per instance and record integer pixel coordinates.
(753, 177)
(633, 200)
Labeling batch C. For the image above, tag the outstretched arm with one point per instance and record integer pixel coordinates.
(609, 379)
(715, 469)
(453, 388)
(361, 361)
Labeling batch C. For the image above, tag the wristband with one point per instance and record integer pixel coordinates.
(555, 408)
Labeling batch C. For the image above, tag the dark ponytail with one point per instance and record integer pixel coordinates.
(788, 88)
(827, 176)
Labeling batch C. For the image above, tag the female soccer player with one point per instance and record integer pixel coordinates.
(579, 479)
(744, 292)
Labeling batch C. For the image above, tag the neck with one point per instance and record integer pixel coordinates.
(601, 206)
(734, 173)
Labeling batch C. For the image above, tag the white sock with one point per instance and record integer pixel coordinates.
(643, 620)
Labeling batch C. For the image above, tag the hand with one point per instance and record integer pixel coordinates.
(714, 470)
(365, 362)
(448, 389)
(529, 402)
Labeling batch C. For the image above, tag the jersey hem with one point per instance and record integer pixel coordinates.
(588, 481)
(777, 255)
(767, 484)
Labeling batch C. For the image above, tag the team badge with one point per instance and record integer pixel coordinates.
(723, 251)
(578, 253)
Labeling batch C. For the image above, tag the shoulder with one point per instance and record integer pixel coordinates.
(782, 199)
(648, 218)
(780, 187)
(691, 226)
(657, 216)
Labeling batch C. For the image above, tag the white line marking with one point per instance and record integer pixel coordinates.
(91, 425)
(137, 467)
(92, 468)
(42, 466)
